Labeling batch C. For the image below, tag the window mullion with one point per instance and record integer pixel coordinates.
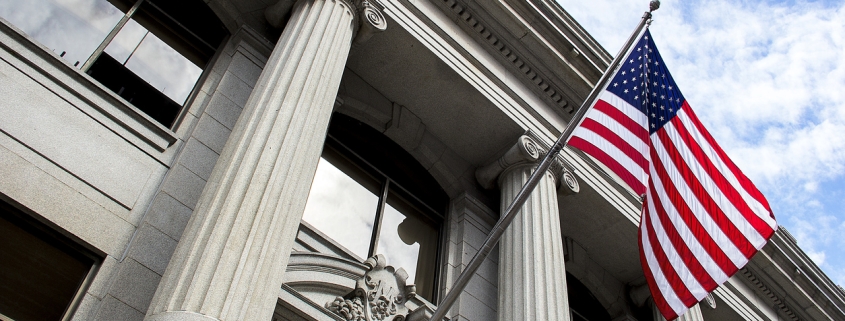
(97, 52)
(379, 214)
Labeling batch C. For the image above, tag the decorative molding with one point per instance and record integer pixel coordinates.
(767, 292)
(530, 72)
(379, 295)
(528, 150)
(372, 21)
(524, 151)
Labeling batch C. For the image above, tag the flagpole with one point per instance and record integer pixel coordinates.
(534, 179)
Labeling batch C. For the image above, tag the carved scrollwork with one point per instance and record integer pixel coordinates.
(372, 21)
(380, 295)
(568, 183)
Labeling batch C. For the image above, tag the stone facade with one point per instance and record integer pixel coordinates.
(202, 220)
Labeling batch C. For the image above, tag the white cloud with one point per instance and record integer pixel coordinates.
(767, 80)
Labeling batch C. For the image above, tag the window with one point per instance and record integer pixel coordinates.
(150, 52)
(41, 271)
(371, 197)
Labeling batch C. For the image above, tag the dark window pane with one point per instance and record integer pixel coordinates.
(409, 241)
(156, 62)
(134, 89)
(342, 203)
(39, 274)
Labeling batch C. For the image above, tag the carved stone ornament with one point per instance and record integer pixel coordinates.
(368, 20)
(378, 296)
(527, 150)
(372, 21)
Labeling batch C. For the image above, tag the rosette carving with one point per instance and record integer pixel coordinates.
(378, 296)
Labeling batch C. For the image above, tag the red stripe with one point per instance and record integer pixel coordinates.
(623, 119)
(743, 181)
(711, 207)
(617, 141)
(689, 218)
(693, 264)
(656, 295)
(608, 161)
(669, 272)
(727, 189)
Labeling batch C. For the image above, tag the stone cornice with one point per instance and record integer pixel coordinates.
(760, 286)
(561, 70)
(507, 53)
(784, 274)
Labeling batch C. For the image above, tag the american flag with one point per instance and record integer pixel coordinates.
(702, 219)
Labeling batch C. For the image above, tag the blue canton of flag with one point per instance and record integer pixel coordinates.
(643, 81)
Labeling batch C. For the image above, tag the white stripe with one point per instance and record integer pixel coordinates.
(695, 206)
(755, 206)
(635, 141)
(663, 285)
(626, 108)
(731, 212)
(617, 155)
(692, 242)
(674, 258)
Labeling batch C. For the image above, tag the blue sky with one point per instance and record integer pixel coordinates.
(768, 80)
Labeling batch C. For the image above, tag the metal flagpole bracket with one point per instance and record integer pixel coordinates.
(511, 211)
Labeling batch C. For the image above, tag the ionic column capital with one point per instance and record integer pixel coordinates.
(367, 20)
(527, 152)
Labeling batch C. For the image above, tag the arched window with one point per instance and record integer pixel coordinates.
(372, 197)
(583, 305)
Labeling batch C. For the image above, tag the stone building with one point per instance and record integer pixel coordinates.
(318, 159)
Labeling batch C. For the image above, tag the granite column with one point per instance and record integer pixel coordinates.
(532, 276)
(231, 259)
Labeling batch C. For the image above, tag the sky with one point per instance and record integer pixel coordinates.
(767, 78)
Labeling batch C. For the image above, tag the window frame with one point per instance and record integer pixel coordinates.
(190, 39)
(52, 235)
(388, 187)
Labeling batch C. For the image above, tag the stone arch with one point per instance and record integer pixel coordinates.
(453, 174)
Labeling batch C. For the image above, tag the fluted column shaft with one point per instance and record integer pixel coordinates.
(532, 277)
(231, 258)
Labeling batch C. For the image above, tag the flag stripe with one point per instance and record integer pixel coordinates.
(622, 145)
(664, 288)
(751, 194)
(742, 179)
(675, 205)
(698, 194)
(719, 192)
(613, 124)
(687, 246)
(676, 272)
(626, 115)
(660, 301)
(636, 184)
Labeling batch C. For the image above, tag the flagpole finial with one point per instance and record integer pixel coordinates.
(653, 5)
